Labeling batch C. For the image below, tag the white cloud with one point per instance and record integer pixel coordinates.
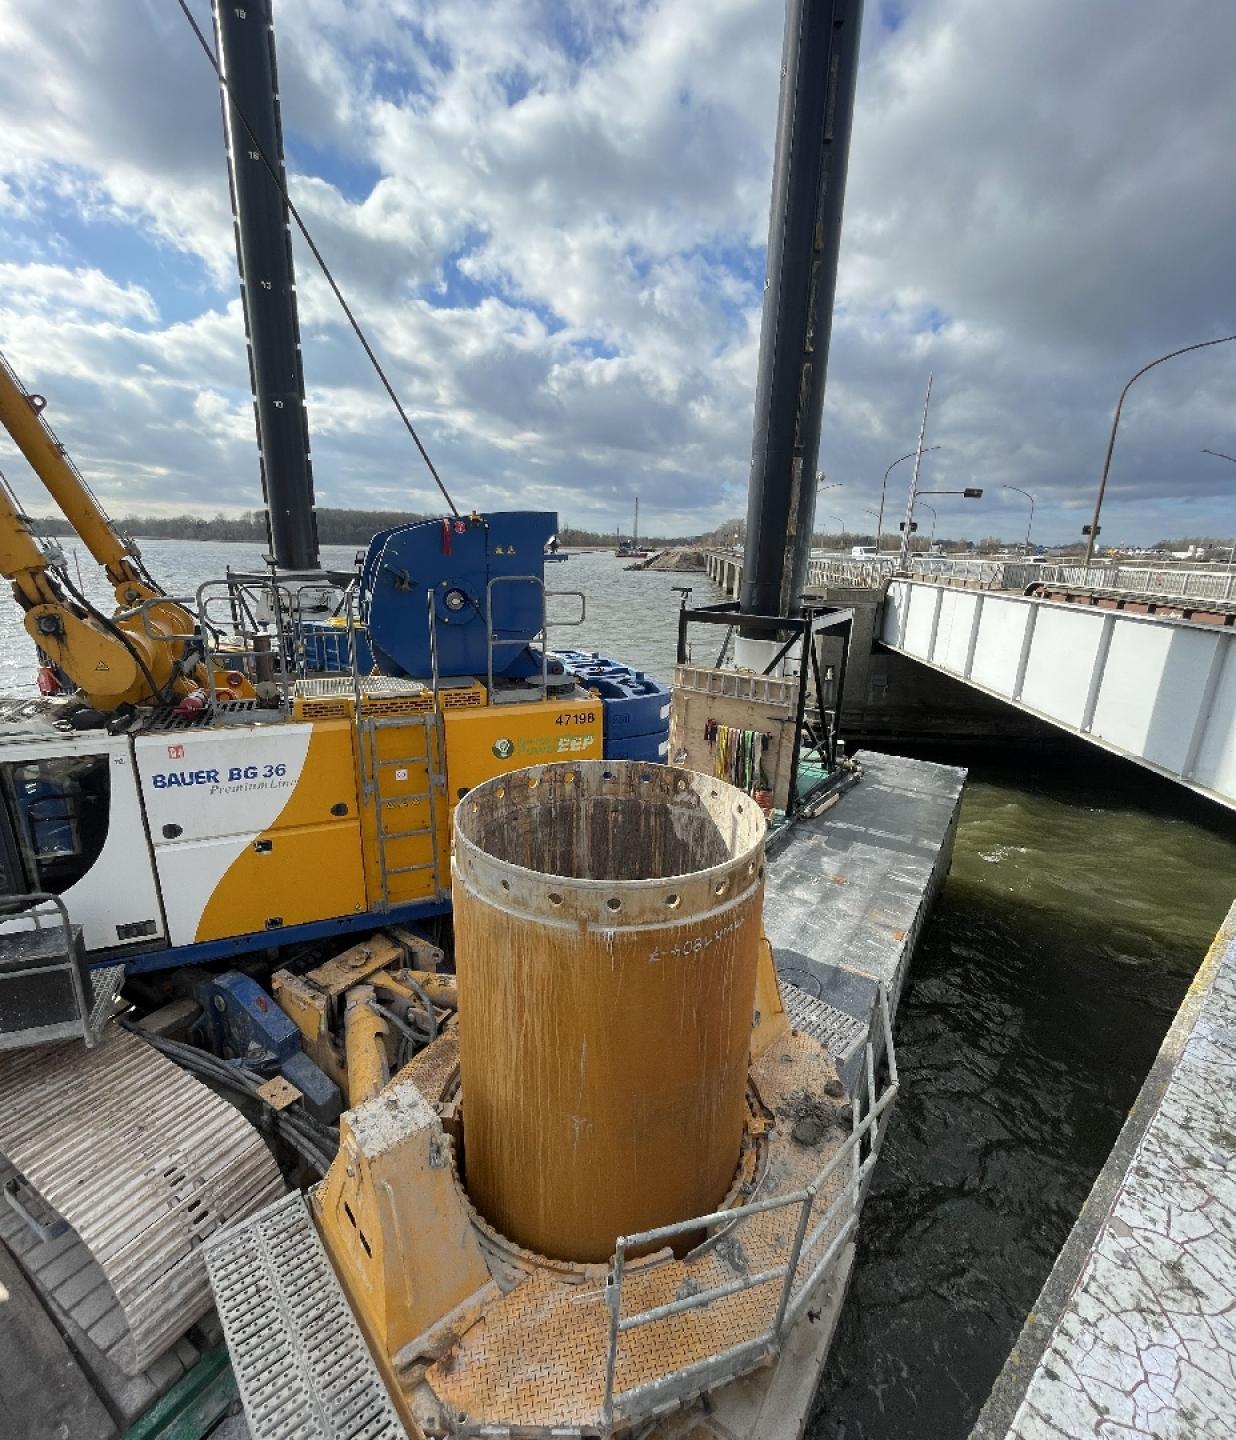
(551, 219)
(82, 291)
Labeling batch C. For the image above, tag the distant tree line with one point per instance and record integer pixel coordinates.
(357, 527)
(335, 527)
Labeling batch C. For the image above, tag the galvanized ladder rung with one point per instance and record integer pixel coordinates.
(369, 726)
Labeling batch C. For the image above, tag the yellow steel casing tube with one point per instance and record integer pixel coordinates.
(607, 934)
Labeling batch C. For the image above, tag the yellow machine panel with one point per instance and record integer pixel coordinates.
(499, 738)
(286, 877)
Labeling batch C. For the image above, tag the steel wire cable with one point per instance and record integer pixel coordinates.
(281, 186)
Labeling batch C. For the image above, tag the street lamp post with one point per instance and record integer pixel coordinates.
(932, 540)
(909, 455)
(971, 492)
(1030, 524)
(1092, 530)
(1219, 455)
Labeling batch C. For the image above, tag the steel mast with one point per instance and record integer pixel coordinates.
(819, 65)
(245, 41)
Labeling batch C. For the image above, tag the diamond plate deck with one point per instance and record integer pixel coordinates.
(144, 1162)
(303, 1369)
(535, 1358)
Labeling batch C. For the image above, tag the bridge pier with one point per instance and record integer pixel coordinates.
(725, 571)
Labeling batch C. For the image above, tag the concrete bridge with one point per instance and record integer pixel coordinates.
(1135, 660)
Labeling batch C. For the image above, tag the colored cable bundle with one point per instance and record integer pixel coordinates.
(737, 755)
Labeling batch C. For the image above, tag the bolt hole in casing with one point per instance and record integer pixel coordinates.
(608, 923)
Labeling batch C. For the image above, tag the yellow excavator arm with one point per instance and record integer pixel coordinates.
(132, 657)
(21, 414)
(107, 666)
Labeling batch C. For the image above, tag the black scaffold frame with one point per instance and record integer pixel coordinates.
(816, 619)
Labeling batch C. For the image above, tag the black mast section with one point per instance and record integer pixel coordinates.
(245, 40)
(819, 65)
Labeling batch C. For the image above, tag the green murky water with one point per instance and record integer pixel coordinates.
(1082, 898)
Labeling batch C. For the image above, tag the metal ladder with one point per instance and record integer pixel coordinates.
(372, 765)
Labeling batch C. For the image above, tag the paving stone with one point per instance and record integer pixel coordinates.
(43, 1392)
(93, 1308)
(48, 1252)
(73, 1289)
(165, 1371)
(108, 1329)
(186, 1352)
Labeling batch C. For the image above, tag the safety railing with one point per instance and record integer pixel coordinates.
(867, 574)
(494, 641)
(1157, 582)
(1217, 585)
(799, 1275)
(254, 625)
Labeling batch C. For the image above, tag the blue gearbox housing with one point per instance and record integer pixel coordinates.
(461, 571)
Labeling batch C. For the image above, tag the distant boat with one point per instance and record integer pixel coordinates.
(631, 549)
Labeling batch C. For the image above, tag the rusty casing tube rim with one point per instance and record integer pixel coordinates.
(614, 904)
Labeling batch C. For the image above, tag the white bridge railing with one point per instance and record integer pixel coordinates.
(1163, 581)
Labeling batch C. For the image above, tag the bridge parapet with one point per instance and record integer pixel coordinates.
(1159, 691)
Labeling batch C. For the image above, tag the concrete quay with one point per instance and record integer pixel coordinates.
(1134, 1333)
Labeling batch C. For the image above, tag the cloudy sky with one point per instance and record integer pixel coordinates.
(552, 218)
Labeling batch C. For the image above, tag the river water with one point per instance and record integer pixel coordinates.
(1082, 897)
(628, 614)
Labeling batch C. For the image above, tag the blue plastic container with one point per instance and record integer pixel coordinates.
(327, 651)
(637, 708)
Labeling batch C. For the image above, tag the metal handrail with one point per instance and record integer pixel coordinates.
(789, 1305)
(1165, 581)
(30, 903)
(492, 642)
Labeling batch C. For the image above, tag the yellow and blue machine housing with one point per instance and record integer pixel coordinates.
(327, 811)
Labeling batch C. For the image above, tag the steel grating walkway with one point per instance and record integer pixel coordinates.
(837, 1031)
(304, 1371)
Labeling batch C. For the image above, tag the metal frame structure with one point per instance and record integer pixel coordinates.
(68, 963)
(802, 630)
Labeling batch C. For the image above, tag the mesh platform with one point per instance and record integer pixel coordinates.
(303, 1369)
(837, 1031)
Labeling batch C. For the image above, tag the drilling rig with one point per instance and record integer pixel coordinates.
(362, 953)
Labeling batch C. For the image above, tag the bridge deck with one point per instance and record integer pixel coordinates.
(1157, 690)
